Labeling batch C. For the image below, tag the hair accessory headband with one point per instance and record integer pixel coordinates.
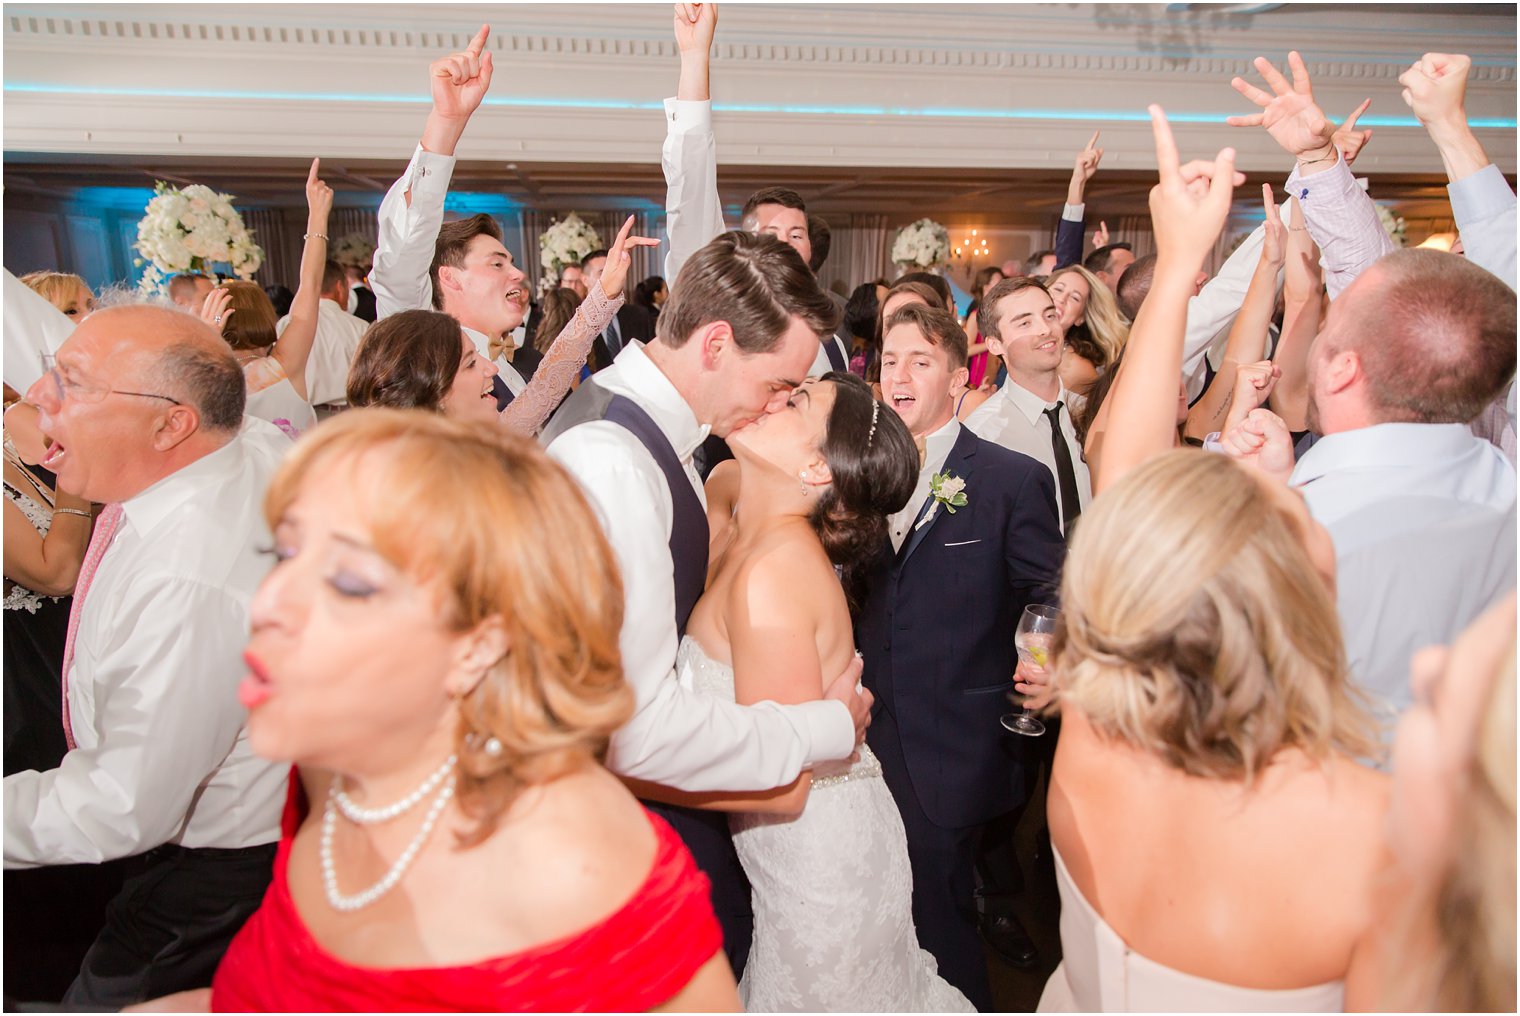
(875, 410)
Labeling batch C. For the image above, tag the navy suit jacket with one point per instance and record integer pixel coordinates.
(937, 629)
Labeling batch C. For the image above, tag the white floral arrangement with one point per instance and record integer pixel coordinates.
(923, 244)
(1392, 224)
(190, 229)
(565, 243)
(354, 249)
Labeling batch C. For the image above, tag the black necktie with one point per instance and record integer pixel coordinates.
(613, 336)
(1066, 476)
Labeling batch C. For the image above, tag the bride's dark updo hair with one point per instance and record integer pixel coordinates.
(875, 467)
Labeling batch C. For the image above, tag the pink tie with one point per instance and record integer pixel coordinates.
(100, 542)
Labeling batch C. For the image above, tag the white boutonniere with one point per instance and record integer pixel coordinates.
(948, 490)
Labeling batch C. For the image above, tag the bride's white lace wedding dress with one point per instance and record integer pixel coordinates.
(832, 892)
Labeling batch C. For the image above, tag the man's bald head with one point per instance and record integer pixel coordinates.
(1433, 333)
(176, 354)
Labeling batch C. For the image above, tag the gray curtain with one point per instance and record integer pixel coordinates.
(859, 251)
(282, 261)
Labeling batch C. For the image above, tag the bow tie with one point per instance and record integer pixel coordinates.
(501, 347)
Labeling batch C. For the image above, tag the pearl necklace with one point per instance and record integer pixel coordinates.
(370, 816)
(388, 882)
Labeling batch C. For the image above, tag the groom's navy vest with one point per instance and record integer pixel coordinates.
(705, 833)
(688, 527)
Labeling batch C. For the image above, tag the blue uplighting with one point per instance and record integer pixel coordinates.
(1067, 115)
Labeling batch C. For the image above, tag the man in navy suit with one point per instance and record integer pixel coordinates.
(937, 634)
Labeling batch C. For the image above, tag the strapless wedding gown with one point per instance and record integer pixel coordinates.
(833, 893)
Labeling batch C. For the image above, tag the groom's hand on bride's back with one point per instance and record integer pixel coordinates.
(846, 688)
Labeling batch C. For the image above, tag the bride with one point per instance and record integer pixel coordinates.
(826, 856)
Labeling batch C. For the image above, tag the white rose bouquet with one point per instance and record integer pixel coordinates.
(190, 229)
(921, 244)
(1392, 224)
(356, 250)
(565, 242)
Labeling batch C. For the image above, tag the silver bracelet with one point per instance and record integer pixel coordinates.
(73, 511)
(314, 236)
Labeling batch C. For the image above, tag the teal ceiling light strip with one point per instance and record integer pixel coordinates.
(932, 113)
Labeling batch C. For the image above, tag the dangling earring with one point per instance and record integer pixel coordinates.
(802, 482)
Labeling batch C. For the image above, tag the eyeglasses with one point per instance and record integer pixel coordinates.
(84, 392)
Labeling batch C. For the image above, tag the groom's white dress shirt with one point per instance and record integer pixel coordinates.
(162, 754)
(679, 737)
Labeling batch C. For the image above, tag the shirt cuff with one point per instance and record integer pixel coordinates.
(1074, 213)
(428, 166)
(831, 732)
(1211, 442)
(1480, 196)
(688, 116)
(1332, 185)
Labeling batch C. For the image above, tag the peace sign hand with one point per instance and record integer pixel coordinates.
(1290, 115)
(1190, 204)
(619, 259)
(460, 80)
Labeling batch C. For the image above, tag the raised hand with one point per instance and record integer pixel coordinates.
(1262, 442)
(1274, 246)
(1348, 139)
(319, 199)
(214, 309)
(1290, 114)
(1253, 386)
(1190, 204)
(1083, 169)
(1302, 276)
(695, 24)
(1100, 236)
(1435, 87)
(460, 80)
(619, 259)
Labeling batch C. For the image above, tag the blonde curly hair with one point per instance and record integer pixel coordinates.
(1195, 626)
(522, 546)
(1102, 323)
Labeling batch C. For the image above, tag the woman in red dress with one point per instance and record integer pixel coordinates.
(436, 649)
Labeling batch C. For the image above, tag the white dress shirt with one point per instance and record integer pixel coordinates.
(32, 327)
(1014, 417)
(936, 450)
(1484, 208)
(509, 375)
(162, 754)
(1423, 521)
(693, 210)
(679, 737)
(332, 353)
(409, 235)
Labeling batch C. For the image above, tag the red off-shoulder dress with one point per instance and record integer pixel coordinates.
(635, 959)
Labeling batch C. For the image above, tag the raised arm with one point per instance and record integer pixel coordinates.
(1303, 287)
(563, 362)
(1069, 230)
(413, 208)
(1248, 335)
(1340, 216)
(294, 346)
(1188, 209)
(693, 211)
(1435, 87)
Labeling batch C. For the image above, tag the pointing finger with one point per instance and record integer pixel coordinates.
(1166, 144)
(479, 42)
(1093, 141)
(311, 178)
(1358, 111)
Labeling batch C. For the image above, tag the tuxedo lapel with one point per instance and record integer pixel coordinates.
(958, 463)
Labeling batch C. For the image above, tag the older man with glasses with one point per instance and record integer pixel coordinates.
(144, 410)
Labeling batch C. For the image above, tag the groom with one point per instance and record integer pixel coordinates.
(736, 337)
(937, 633)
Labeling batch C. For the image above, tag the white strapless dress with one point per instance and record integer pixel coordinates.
(833, 893)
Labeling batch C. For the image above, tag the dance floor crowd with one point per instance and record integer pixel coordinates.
(428, 643)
